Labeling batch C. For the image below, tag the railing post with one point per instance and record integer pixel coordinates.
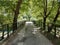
(55, 31)
(2, 31)
(7, 30)
(49, 27)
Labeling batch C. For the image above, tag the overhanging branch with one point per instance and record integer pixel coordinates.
(50, 9)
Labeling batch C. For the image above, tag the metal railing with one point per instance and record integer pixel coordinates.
(55, 30)
(7, 29)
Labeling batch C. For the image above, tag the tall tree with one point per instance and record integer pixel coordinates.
(16, 12)
(45, 12)
(55, 19)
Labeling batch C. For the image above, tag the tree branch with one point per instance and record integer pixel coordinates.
(55, 19)
(50, 9)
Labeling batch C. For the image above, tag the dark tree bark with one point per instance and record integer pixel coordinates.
(45, 13)
(55, 19)
(44, 23)
(16, 12)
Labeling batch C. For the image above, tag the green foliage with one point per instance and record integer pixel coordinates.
(34, 8)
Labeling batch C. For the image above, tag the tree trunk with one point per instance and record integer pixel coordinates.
(44, 18)
(45, 11)
(16, 12)
(44, 23)
(55, 19)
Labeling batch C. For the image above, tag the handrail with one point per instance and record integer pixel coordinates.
(8, 29)
(55, 27)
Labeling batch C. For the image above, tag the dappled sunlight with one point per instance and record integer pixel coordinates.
(29, 22)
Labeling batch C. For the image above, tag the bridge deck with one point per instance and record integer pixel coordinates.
(19, 39)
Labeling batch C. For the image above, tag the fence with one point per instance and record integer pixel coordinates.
(55, 30)
(7, 29)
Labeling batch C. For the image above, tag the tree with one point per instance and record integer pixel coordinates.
(6, 10)
(16, 12)
(55, 19)
(45, 12)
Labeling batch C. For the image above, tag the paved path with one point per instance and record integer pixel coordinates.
(37, 39)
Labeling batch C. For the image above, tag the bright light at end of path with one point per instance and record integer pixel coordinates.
(58, 0)
(27, 23)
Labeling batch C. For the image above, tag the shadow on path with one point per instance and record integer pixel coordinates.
(25, 37)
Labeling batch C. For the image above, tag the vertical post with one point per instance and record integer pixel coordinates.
(2, 31)
(7, 30)
(55, 31)
(49, 28)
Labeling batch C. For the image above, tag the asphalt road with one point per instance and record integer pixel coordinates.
(26, 37)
